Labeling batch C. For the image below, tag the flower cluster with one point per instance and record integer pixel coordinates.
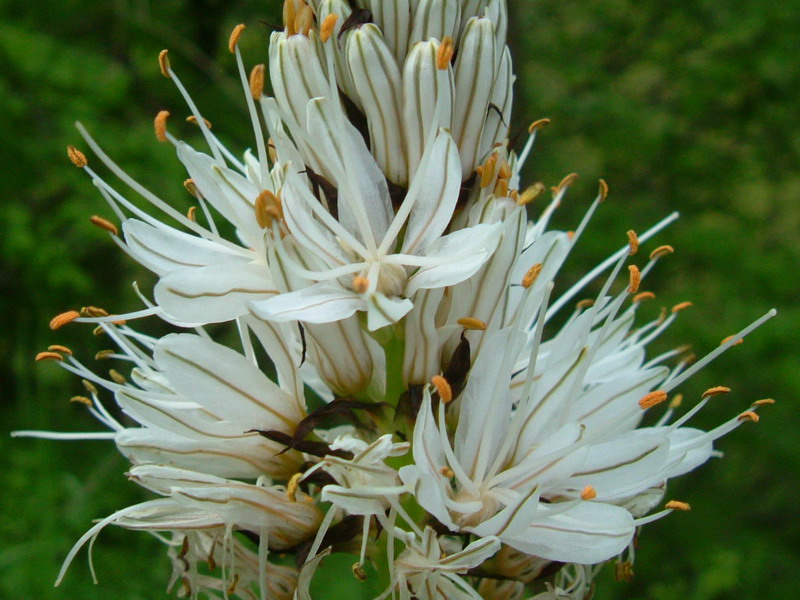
(401, 389)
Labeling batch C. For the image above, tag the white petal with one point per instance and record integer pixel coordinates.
(383, 311)
(213, 294)
(319, 303)
(226, 383)
(435, 19)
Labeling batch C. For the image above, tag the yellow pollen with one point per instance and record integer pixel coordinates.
(257, 82)
(472, 324)
(538, 124)
(443, 388)
(191, 214)
(327, 27)
(661, 251)
(644, 296)
(447, 472)
(634, 280)
(588, 493)
(445, 53)
(360, 284)
(93, 311)
(117, 376)
(234, 583)
(633, 242)
(66, 317)
(716, 391)
(514, 195)
(505, 170)
(677, 505)
(531, 275)
(234, 39)
(486, 171)
(585, 303)
(48, 356)
(681, 306)
(729, 338)
(652, 399)
(530, 194)
(304, 20)
(676, 401)
(292, 486)
(359, 572)
(267, 207)
(81, 400)
(193, 120)
(77, 157)
(567, 181)
(603, 192)
(749, 415)
(764, 402)
(163, 63)
(160, 125)
(501, 188)
(59, 348)
(289, 14)
(104, 224)
(104, 354)
(89, 386)
(191, 187)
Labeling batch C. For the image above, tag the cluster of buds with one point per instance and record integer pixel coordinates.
(394, 393)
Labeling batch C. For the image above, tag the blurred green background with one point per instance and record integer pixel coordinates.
(688, 106)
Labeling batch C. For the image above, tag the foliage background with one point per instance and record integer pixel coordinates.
(689, 106)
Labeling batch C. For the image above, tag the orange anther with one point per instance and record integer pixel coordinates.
(531, 275)
(77, 157)
(538, 124)
(48, 356)
(716, 391)
(163, 63)
(633, 242)
(234, 39)
(443, 388)
(66, 317)
(681, 306)
(257, 81)
(327, 27)
(652, 399)
(588, 493)
(445, 53)
(634, 279)
(104, 224)
(160, 125)
(472, 324)
(661, 251)
(677, 505)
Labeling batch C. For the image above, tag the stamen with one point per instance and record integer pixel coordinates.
(59, 348)
(77, 157)
(82, 400)
(193, 120)
(289, 15)
(89, 387)
(530, 194)
(716, 391)
(566, 182)
(445, 53)
(234, 583)
(304, 20)
(623, 571)
(681, 306)
(486, 170)
(677, 505)
(584, 304)
(360, 284)
(66, 317)
(501, 188)
(234, 39)
(191, 214)
(257, 81)
(267, 207)
(634, 280)
(117, 376)
(749, 415)
(328, 25)
(729, 338)
(676, 401)
(104, 224)
(191, 187)
(104, 354)
(359, 572)
(644, 296)
(443, 388)
(160, 125)
(538, 124)
(163, 62)
(603, 193)
(505, 170)
(588, 493)
(472, 324)
(661, 251)
(93, 311)
(447, 472)
(764, 402)
(633, 242)
(292, 486)
(652, 399)
(531, 275)
(48, 356)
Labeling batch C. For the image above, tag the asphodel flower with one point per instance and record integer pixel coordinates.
(398, 389)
